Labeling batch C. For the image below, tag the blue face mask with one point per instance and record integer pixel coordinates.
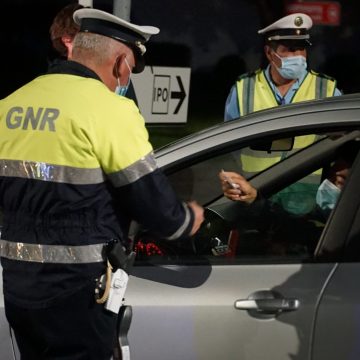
(122, 89)
(292, 67)
(327, 195)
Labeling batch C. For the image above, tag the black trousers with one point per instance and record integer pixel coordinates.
(77, 328)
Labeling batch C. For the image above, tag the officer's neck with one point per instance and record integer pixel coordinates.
(282, 84)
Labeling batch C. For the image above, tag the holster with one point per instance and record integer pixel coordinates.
(119, 257)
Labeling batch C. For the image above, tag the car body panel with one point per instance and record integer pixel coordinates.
(203, 323)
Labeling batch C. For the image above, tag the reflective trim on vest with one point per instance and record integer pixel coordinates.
(144, 166)
(262, 97)
(253, 161)
(255, 93)
(314, 87)
(54, 254)
(50, 172)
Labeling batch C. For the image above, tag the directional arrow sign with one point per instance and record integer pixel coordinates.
(163, 93)
(179, 94)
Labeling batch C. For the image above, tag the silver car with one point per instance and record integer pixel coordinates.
(274, 280)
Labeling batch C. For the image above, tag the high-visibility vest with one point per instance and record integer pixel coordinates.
(255, 93)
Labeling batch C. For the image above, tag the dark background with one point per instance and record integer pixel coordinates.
(217, 38)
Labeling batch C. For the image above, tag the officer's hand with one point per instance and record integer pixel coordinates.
(198, 212)
(235, 187)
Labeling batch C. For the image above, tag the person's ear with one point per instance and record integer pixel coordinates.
(119, 63)
(267, 51)
(68, 42)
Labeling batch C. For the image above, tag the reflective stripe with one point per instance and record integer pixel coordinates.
(55, 254)
(321, 87)
(48, 172)
(144, 166)
(248, 95)
(183, 227)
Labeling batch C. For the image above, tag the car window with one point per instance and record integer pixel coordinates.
(284, 224)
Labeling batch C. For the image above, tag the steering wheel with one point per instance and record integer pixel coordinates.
(213, 235)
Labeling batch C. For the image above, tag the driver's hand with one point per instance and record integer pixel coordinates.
(235, 187)
(198, 216)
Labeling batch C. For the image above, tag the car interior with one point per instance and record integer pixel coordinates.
(283, 225)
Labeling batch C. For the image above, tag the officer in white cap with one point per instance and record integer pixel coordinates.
(76, 166)
(286, 79)
(62, 33)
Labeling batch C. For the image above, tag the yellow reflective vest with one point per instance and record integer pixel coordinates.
(255, 93)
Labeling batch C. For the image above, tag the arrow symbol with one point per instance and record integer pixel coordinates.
(179, 94)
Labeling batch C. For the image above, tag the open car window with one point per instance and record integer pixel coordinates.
(283, 225)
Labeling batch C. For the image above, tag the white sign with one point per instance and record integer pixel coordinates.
(163, 93)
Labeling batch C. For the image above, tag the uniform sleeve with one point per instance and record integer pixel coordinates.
(232, 110)
(337, 92)
(152, 202)
(142, 191)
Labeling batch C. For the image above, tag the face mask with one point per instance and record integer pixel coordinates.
(292, 67)
(122, 89)
(327, 195)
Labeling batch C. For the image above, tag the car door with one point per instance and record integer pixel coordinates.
(259, 303)
(337, 322)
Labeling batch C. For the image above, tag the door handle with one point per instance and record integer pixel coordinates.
(267, 303)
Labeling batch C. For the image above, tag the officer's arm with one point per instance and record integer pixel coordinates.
(142, 191)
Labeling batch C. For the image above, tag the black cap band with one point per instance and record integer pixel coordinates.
(111, 30)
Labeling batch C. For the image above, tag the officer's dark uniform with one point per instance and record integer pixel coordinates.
(75, 166)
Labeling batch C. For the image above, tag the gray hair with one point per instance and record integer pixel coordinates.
(98, 47)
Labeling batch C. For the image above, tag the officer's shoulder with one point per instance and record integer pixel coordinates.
(322, 75)
(249, 74)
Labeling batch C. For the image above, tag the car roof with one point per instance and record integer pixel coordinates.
(315, 113)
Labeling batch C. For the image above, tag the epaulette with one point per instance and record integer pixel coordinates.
(322, 75)
(248, 74)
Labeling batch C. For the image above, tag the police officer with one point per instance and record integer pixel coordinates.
(75, 167)
(286, 79)
(62, 32)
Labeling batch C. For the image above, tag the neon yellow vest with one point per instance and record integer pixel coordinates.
(88, 119)
(255, 93)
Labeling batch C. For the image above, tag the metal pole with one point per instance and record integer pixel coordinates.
(86, 3)
(122, 9)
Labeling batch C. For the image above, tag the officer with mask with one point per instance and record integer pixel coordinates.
(76, 167)
(286, 79)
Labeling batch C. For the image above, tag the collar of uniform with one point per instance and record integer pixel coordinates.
(289, 95)
(71, 68)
